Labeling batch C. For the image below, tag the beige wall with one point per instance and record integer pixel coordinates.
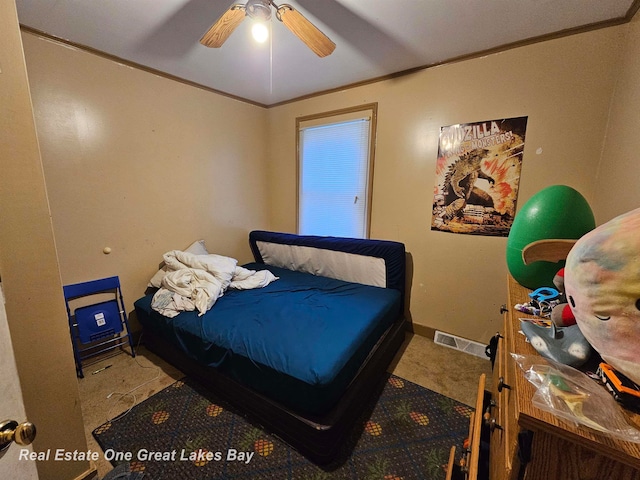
(142, 165)
(30, 274)
(117, 142)
(564, 86)
(616, 185)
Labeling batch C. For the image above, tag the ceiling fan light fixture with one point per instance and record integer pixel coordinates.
(260, 32)
(259, 10)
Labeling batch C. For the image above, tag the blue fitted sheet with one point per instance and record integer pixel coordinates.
(300, 340)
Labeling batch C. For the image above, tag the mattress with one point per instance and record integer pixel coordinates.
(299, 341)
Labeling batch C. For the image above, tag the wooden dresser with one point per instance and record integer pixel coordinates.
(531, 444)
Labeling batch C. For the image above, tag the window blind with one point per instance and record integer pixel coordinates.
(334, 178)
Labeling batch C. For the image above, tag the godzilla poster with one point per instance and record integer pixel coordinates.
(477, 177)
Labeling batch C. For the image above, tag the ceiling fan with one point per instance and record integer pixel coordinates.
(261, 10)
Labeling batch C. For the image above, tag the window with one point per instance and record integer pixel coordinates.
(335, 171)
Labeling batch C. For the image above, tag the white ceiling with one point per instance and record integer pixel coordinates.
(374, 38)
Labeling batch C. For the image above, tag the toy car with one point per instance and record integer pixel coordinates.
(623, 390)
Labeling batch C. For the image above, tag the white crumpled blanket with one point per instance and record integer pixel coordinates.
(195, 282)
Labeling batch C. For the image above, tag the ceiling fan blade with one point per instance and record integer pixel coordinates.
(305, 30)
(224, 26)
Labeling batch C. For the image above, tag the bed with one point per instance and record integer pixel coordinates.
(300, 355)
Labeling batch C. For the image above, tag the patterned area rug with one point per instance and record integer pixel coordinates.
(407, 436)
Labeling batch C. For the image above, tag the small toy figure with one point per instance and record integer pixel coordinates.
(602, 283)
(561, 314)
(550, 303)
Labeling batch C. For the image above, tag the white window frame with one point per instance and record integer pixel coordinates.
(369, 111)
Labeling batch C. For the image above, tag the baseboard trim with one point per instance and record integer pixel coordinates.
(423, 331)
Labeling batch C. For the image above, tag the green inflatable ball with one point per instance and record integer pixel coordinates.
(558, 211)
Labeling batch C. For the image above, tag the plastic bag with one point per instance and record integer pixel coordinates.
(573, 396)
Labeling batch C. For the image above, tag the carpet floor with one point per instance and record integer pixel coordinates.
(183, 432)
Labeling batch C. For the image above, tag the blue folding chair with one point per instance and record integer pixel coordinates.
(98, 327)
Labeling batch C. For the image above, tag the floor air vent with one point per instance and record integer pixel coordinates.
(462, 344)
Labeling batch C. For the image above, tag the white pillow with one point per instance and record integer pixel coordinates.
(197, 248)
